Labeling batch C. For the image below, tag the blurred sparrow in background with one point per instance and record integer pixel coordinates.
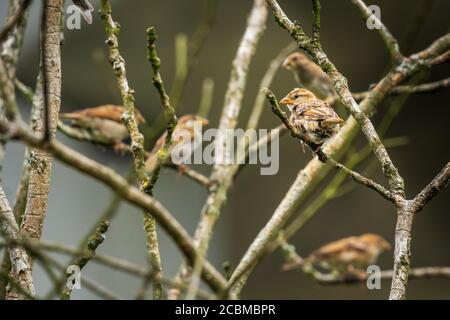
(85, 8)
(314, 118)
(349, 257)
(185, 123)
(102, 124)
(309, 75)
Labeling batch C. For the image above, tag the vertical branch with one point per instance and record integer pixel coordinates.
(389, 40)
(402, 251)
(316, 22)
(406, 210)
(206, 99)
(137, 139)
(41, 161)
(20, 261)
(10, 51)
(222, 173)
(187, 52)
(169, 111)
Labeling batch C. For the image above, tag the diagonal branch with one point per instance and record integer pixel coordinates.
(389, 40)
(433, 188)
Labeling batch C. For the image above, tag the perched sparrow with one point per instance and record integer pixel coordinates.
(349, 256)
(187, 123)
(311, 116)
(310, 75)
(104, 124)
(85, 9)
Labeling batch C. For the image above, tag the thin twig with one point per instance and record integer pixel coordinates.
(137, 139)
(429, 87)
(206, 99)
(390, 42)
(14, 20)
(94, 241)
(433, 188)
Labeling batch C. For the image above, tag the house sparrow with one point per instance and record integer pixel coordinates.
(313, 117)
(309, 75)
(187, 123)
(103, 124)
(85, 9)
(349, 256)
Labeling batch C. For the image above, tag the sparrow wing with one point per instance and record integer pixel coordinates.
(108, 112)
(318, 110)
(334, 248)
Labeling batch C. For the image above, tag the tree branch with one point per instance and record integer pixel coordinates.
(41, 162)
(126, 191)
(20, 261)
(433, 188)
(390, 42)
(223, 174)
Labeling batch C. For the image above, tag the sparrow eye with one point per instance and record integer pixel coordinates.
(296, 96)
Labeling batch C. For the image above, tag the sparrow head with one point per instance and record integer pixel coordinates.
(295, 61)
(297, 95)
(376, 241)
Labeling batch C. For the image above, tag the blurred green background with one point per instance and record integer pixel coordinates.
(77, 201)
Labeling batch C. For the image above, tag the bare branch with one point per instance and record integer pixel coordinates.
(20, 261)
(14, 20)
(390, 42)
(94, 241)
(433, 188)
(40, 171)
(125, 190)
(223, 174)
(316, 21)
(137, 139)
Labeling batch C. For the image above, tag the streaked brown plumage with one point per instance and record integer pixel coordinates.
(311, 116)
(85, 8)
(309, 75)
(103, 123)
(349, 255)
(186, 122)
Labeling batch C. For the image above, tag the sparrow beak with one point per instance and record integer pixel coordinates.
(286, 100)
(387, 246)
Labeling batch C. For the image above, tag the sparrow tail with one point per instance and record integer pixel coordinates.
(85, 9)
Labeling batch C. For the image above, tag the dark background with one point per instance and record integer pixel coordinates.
(76, 201)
